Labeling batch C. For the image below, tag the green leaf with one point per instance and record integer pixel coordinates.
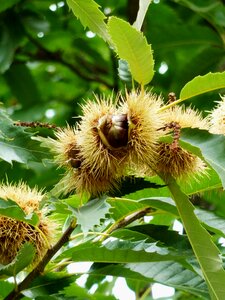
(211, 221)
(131, 184)
(5, 288)
(210, 146)
(91, 214)
(49, 284)
(90, 16)
(22, 85)
(122, 251)
(16, 144)
(205, 250)
(203, 84)
(24, 257)
(12, 210)
(132, 46)
(123, 71)
(6, 49)
(172, 274)
(168, 273)
(122, 207)
(74, 291)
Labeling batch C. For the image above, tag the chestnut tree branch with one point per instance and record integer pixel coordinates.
(44, 54)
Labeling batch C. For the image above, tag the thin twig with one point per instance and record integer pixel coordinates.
(128, 219)
(41, 265)
(35, 124)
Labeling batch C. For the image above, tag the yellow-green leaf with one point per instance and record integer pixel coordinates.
(131, 45)
(90, 16)
(203, 84)
(206, 252)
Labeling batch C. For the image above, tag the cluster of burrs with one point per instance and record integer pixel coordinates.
(14, 233)
(113, 140)
(110, 141)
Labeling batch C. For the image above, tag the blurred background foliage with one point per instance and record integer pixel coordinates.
(49, 64)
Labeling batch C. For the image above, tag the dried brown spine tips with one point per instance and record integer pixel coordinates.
(113, 130)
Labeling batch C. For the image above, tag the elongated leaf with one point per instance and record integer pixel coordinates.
(91, 214)
(49, 284)
(131, 184)
(6, 49)
(24, 257)
(122, 207)
(203, 84)
(90, 16)
(74, 291)
(132, 46)
(212, 222)
(210, 146)
(169, 273)
(16, 144)
(11, 36)
(122, 251)
(12, 210)
(5, 288)
(205, 250)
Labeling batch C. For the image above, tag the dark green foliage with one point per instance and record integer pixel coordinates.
(50, 63)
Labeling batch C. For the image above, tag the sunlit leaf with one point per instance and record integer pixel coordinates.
(76, 291)
(90, 16)
(203, 84)
(132, 46)
(92, 214)
(205, 250)
(12, 210)
(212, 222)
(168, 273)
(210, 146)
(122, 251)
(122, 207)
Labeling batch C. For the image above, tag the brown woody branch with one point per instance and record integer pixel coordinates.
(44, 54)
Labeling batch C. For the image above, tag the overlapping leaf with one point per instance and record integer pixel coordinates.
(16, 144)
(168, 273)
(206, 252)
(12, 210)
(203, 84)
(132, 46)
(210, 146)
(90, 16)
(21, 261)
(92, 214)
